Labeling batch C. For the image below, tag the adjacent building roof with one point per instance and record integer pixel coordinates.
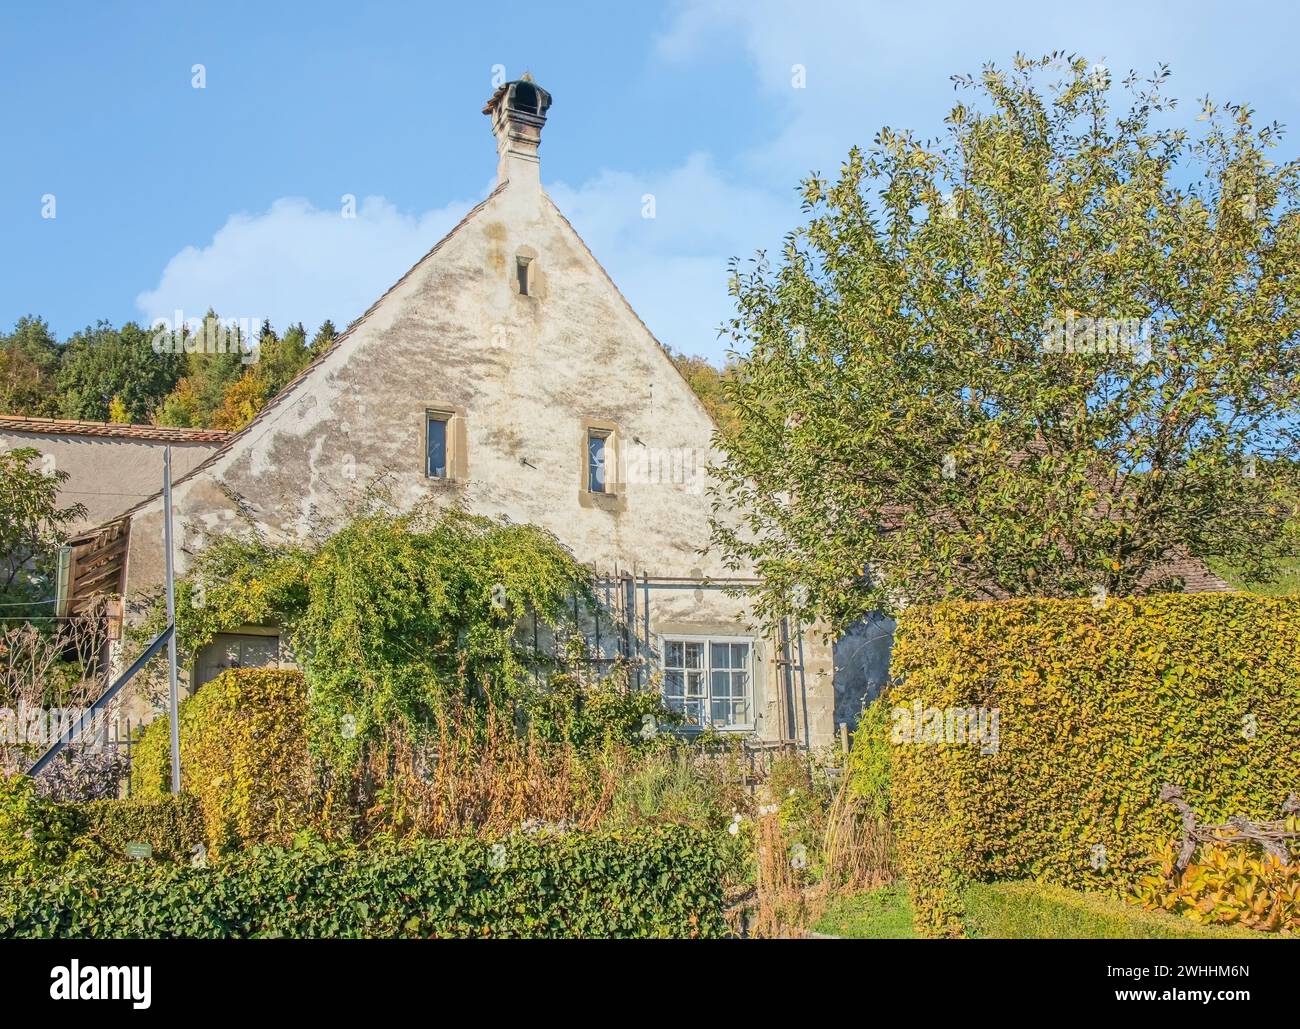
(76, 427)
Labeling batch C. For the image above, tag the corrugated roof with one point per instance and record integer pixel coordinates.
(112, 430)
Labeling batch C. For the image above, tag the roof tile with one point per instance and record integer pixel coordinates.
(112, 430)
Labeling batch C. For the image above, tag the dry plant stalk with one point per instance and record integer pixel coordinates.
(857, 854)
(781, 899)
(33, 681)
(858, 849)
(486, 780)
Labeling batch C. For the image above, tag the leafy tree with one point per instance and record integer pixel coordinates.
(32, 337)
(214, 358)
(708, 382)
(32, 527)
(1035, 357)
(102, 363)
(182, 407)
(243, 399)
(29, 363)
(397, 618)
(24, 389)
(281, 358)
(325, 335)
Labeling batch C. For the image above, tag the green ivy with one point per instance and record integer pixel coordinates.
(662, 882)
(398, 618)
(35, 834)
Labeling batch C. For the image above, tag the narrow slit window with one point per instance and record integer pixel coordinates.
(523, 270)
(436, 447)
(597, 447)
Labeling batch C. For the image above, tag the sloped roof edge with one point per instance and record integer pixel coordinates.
(297, 380)
(111, 430)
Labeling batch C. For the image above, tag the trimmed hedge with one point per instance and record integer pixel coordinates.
(172, 826)
(243, 755)
(664, 882)
(1098, 708)
(38, 836)
(35, 834)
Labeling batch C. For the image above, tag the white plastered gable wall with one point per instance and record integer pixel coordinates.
(525, 375)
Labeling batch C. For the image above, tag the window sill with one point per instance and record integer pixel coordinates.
(604, 501)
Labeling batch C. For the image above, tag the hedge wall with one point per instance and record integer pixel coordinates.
(1097, 709)
(172, 826)
(39, 836)
(664, 882)
(243, 755)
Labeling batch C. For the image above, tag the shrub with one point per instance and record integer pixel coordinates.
(663, 882)
(1098, 708)
(868, 767)
(397, 618)
(1226, 886)
(244, 757)
(172, 826)
(35, 834)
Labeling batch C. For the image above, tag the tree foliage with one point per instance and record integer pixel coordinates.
(1037, 356)
(29, 360)
(709, 384)
(214, 379)
(101, 364)
(32, 526)
(398, 619)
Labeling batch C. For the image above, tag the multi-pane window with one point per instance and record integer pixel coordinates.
(709, 681)
(597, 447)
(436, 446)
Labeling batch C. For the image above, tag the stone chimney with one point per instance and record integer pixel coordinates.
(518, 111)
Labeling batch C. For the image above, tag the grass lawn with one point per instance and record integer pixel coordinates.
(882, 914)
(1018, 911)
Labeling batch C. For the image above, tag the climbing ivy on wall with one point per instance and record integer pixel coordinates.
(394, 618)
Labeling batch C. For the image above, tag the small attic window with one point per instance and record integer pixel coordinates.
(524, 274)
(597, 446)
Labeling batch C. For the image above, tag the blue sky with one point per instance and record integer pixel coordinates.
(169, 197)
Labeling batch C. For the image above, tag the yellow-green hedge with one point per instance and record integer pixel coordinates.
(243, 756)
(1097, 709)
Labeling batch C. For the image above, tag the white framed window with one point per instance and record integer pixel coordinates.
(710, 679)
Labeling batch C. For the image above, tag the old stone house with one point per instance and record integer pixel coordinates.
(506, 372)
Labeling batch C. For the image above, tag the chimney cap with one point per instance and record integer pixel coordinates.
(524, 100)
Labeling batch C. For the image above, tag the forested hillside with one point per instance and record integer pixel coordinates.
(209, 377)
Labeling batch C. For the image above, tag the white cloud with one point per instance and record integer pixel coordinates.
(871, 63)
(673, 267)
(297, 262)
(867, 65)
